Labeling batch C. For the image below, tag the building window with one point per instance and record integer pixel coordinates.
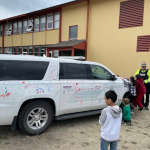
(55, 53)
(36, 50)
(15, 51)
(50, 21)
(42, 51)
(0, 50)
(30, 51)
(36, 24)
(8, 29)
(30, 25)
(143, 43)
(42, 23)
(73, 32)
(25, 24)
(56, 20)
(66, 53)
(20, 27)
(131, 13)
(25, 51)
(8, 50)
(0, 30)
(19, 50)
(5, 29)
(15, 28)
(79, 53)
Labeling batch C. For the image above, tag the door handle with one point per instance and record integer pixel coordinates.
(66, 87)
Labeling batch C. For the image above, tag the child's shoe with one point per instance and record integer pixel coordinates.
(129, 123)
(140, 109)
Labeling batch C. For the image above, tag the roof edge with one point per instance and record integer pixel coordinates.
(41, 10)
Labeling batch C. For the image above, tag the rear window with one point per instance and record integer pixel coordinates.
(22, 70)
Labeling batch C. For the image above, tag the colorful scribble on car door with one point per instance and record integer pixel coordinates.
(4, 92)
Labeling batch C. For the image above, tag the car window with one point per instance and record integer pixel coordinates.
(22, 70)
(73, 71)
(100, 73)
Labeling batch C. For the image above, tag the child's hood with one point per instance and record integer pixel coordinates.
(115, 111)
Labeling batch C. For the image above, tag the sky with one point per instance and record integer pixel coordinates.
(9, 8)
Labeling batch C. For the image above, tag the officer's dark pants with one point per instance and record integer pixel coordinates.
(146, 102)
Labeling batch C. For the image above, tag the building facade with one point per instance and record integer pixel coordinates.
(113, 32)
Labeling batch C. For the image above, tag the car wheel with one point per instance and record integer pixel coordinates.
(35, 117)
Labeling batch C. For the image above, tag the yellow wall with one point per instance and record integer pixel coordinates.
(27, 39)
(8, 41)
(74, 15)
(18, 40)
(46, 37)
(37, 38)
(114, 47)
(52, 37)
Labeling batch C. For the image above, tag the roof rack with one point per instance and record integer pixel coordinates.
(81, 58)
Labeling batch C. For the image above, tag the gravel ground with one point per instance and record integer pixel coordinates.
(79, 134)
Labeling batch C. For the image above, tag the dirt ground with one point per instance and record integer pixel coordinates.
(79, 134)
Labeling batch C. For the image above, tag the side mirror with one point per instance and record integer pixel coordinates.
(113, 77)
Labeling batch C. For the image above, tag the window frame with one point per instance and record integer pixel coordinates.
(43, 16)
(22, 25)
(8, 25)
(26, 25)
(15, 50)
(56, 20)
(70, 33)
(52, 15)
(38, 18)
(30, 20)
(1, 29)
(20, 21)
(9, 49)
(16, 22)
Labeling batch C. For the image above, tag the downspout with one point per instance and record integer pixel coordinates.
(60, 28)
(2, 38)
(60, 25)
(87, 26)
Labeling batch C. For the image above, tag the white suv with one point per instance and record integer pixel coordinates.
(36, 90)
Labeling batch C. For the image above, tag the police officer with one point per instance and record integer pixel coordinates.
(145, 75)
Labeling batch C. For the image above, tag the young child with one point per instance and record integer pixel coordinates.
(141, 90)
(110, 121)
(132, 90)
(127, 111)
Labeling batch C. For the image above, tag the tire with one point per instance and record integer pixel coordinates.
(35, 117)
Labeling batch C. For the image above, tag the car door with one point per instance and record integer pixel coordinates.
(103, 80)
(76, 88)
